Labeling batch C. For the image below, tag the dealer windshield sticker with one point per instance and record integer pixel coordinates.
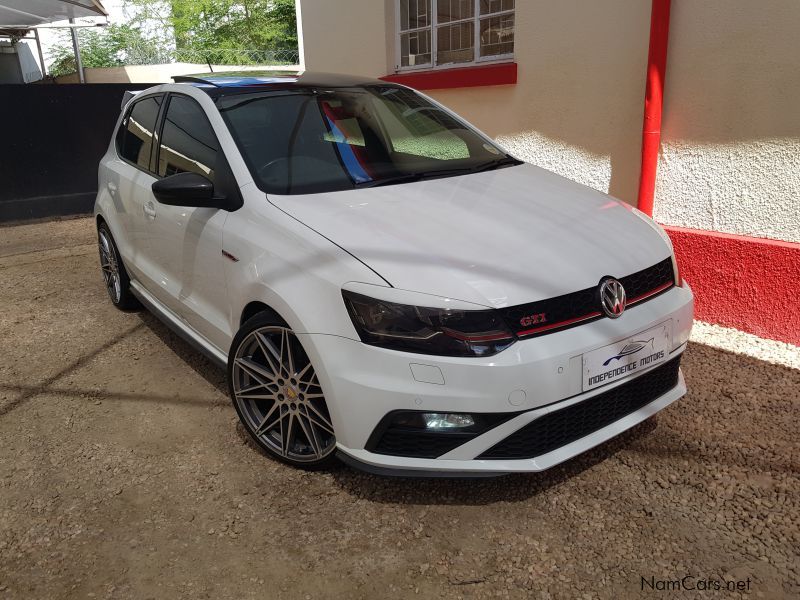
(627, 357)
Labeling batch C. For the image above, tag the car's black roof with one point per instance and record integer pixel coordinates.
(216, 84)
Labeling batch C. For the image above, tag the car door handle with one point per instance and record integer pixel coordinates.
(112, 187)
(150, 210)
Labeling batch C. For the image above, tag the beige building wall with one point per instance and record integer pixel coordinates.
(730, 155)
(730, 158)
(343, 36)
(577, 106)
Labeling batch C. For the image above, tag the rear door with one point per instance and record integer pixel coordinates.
(128, 181)
(187, 241)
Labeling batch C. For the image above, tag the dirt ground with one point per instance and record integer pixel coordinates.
(124, 474)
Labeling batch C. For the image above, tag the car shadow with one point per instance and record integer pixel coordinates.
(410, 490)
(199, 362)
(732, 400)
(720, 383)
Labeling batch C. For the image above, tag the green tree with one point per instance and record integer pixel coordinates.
(212, 31)
(225, 31)
(107, 47)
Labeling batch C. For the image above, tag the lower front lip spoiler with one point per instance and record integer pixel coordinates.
(414, 473)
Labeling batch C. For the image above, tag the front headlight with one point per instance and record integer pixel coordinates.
(439, 331)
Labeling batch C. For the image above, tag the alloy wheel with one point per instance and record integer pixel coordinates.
(279, 396)
(110, 266)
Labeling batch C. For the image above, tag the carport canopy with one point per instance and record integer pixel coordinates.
(26, 14)
(18, 17)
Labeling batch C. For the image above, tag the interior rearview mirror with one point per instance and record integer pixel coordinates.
(187, 189)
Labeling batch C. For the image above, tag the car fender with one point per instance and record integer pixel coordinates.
(277, 260)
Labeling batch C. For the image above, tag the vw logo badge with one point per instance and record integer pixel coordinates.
(612, 298)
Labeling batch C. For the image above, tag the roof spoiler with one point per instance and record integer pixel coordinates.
(193, 79)
(126, 97)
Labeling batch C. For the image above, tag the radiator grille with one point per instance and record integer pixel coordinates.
(581, 307)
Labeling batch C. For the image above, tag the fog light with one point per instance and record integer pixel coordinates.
(447, 420)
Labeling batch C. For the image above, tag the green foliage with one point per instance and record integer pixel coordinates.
(106, 47)
(211, 31)
(225, 31)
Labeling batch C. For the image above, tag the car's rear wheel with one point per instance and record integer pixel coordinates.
(277, 394)
(114, 274)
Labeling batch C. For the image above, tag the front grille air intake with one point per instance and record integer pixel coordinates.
(561, 427)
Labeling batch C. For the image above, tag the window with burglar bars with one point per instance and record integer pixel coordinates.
(438, 33)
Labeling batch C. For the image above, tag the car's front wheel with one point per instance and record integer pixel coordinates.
(277, 394)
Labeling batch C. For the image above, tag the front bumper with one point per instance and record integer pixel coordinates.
(531, 379)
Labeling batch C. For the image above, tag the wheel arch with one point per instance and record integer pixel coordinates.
(256, 307)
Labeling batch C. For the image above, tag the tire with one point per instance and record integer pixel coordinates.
(114, 274)
(277, 394)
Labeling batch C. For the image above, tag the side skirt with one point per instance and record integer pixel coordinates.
(169, 319)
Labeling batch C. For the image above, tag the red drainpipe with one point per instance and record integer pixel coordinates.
(653, 100)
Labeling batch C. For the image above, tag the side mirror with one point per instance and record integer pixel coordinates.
(187, 189)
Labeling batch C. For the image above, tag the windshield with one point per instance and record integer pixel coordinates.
(309, 141)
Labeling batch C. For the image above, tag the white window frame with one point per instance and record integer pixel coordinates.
(434, 29)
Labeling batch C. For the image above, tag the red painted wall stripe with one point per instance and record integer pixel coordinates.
(747, 283)
(499, 74)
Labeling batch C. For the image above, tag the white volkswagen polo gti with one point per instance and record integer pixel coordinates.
(383, 282)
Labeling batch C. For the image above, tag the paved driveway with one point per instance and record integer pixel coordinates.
(124, 474)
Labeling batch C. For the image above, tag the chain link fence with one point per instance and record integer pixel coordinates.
(151, 55)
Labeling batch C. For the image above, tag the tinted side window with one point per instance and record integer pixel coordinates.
(188, 143)
(135, 137)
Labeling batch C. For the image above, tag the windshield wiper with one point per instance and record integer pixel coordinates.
(404, 178)
(486, 166)
(495, 164)
(408, 177)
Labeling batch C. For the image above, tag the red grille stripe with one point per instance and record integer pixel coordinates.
(592, 315)
(652, 292)
(559, 324)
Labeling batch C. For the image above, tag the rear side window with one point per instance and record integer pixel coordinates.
(135, 136)
(188, 143)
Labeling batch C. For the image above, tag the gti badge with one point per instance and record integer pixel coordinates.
(529, 320)
(612, 298)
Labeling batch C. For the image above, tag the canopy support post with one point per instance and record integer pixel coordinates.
(41, 54)
(76, 48)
